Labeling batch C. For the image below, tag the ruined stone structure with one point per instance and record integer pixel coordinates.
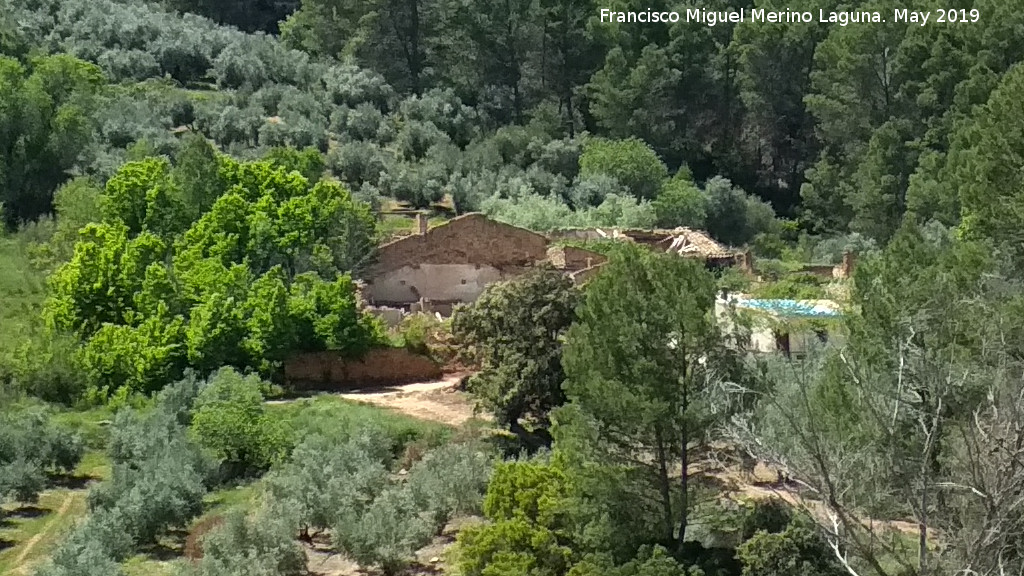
(452, 262)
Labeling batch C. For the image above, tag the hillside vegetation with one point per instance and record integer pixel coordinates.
(190, 191)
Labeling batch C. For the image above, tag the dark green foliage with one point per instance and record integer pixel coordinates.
(655, 561)
(771, 515)
(795, 550)
(734, 217)
(44, 125)
(641, 368)
(514, 329)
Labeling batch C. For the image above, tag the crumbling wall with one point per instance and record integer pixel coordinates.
(579, 258)
(469, 239)
(378, 367)
(435, 282)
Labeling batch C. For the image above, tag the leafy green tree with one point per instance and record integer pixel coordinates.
(637, 99)
(230, 420)
(259, 273)
(986, 172)
(629, 161)
(641, 367)
(45, 125)
(680, 203)
(515, 331)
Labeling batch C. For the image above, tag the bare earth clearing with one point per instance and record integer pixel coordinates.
(436, 400)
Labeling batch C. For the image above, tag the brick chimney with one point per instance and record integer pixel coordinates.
(421, 223)
(747, 262)
(849, 262)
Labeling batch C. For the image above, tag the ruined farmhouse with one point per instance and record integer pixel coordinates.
(436, 268)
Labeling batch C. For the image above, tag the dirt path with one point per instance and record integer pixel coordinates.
(23, 568)
(436, 400)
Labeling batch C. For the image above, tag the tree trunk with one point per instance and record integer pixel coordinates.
(663, 482)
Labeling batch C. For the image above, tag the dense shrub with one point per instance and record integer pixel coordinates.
(262, 545)
(386, 534)
(326, 479)
(161, 285)
(151, 496)
(632, 162)
(680, 203)
(450, 481)
(31, 449)
(229, 419)
(796, 550)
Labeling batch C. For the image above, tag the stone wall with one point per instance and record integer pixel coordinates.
(452, 262)
(468, 239)
(434, 282)
(378, 367)
(580, 259)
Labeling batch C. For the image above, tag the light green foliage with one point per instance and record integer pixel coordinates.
(514, 330)
(259, 274)
(511, 547)
(307, 161)
(229, 419)
(259, 546)
(528, 490)
(629, 161)
(529, 526)
(335, 417)
(76, 204)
